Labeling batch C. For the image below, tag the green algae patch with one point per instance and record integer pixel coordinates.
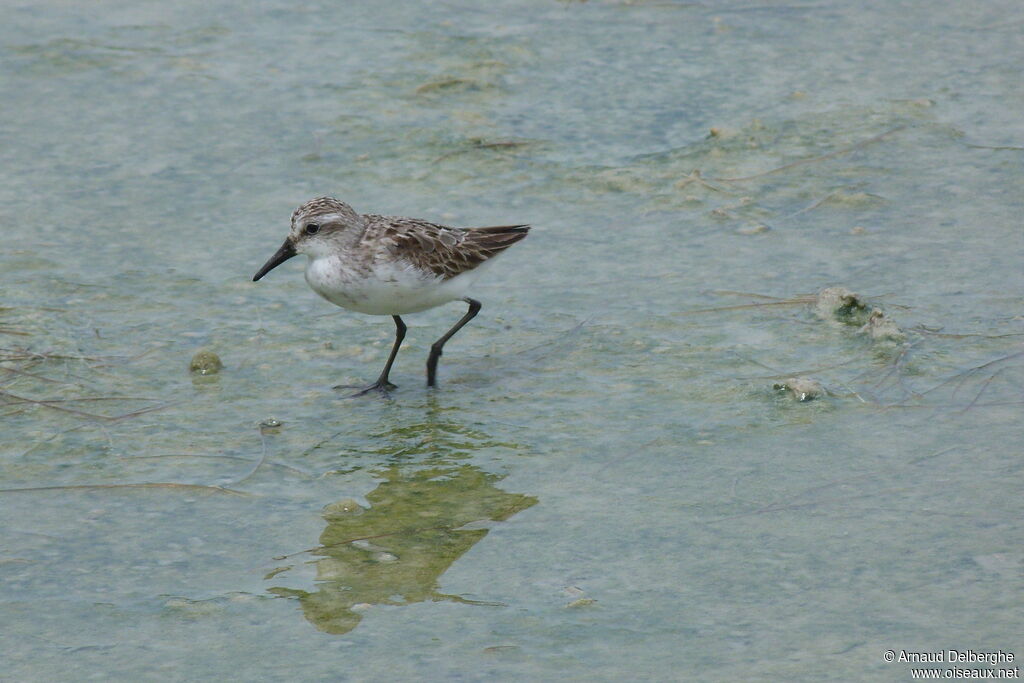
(205, 363)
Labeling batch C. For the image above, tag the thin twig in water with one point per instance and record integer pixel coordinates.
(894, 366)
(155, 485)
(854, 393)
(41, 378)
(971, 371)
(824, 157)
(796, 373)
(949, 335)
(813, 206)
(25, 354)
(272, 463)
(51, 438)
(480, 144)
(259, 463)
(917, 461)
(998, 147)
(695, 177)
(738, 307)
(87, 398)
(548, 348)
(936, 406)
(81, 413)
(753, 295)
(759, 363)
(46, 404)
(981, 391)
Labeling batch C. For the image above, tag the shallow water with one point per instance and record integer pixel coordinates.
(605, 485)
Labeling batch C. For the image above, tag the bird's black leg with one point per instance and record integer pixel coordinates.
(382, 381)
(435, 348)
(382, 384)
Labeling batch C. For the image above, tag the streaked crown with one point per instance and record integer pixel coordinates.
(322, 206)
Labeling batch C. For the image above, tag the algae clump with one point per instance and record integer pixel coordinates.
(205, 363)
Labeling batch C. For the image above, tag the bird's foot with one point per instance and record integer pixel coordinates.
(383, 387)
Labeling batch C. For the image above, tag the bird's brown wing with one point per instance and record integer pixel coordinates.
(445, 251)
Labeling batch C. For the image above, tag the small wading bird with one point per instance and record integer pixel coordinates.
(387, 265)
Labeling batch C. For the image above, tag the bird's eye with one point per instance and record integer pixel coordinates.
(312, 228)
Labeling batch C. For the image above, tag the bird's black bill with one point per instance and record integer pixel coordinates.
(283, 254)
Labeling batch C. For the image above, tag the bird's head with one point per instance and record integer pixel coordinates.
(318, 227)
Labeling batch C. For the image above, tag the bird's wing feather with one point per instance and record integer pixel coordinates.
(444, 251)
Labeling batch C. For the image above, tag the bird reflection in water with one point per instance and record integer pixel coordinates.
(394, 551)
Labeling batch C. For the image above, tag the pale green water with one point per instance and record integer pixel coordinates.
(595, 436)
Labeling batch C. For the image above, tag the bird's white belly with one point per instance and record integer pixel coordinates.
(387, 289)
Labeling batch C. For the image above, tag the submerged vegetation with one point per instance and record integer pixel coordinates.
(883, 377)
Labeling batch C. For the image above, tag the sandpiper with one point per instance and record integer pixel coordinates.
(388, 265)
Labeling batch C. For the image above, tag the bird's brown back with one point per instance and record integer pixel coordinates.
(439, 249)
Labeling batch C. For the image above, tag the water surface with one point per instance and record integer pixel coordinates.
(606, 485)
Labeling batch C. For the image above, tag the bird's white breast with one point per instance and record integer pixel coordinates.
(384, 288)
